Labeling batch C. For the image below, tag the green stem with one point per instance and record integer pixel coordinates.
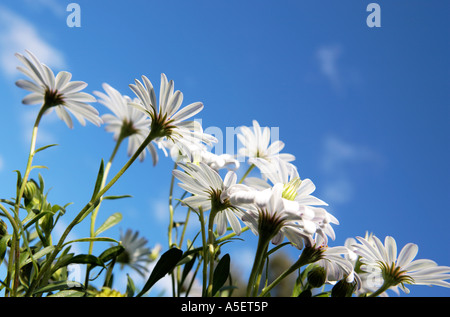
(105, 176)
(246, 173)
(171, 210)
(15, 244)
(309, 255)
(381, 290)
(205, 251)
(211, 248)
(260, 255)
(45, 273)
(259, 275)
(28, 168)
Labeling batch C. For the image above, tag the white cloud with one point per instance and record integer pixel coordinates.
(54, 6)
(328, 62)
(338, 163)
(18, 34)
(332, 66)
(1, 163)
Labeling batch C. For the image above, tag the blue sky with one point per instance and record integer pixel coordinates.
(364, 110)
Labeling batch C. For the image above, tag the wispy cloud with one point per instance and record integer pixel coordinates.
(328, 62)
(18, 34)
(54, 6)
(339, 160)
(331, 63)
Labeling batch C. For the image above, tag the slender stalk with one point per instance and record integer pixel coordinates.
(170, 229)
(260, 255)
(381, 290)
(105, 176)
(171, 209)
(14, 246)
(16, 236)
(259, 275)
(309, 255)
(205, 251)
(211, 248)
(45, 273)
(246, 173)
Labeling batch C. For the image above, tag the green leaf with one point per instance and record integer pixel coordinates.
(83, 259)
(59, 286)
(117, 197)
(68, 293)
(131, 288)
(187, 268)
(111, 253)
(221, 273)
(37, 255)
(110, 222)
(3, 246)
(44, 147)
(166, 264)
(38, 166)
(98, 182)
(100, 239)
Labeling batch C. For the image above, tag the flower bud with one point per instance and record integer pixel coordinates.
(343, 289)
(3, 229)
(30, 193)
(317, 276)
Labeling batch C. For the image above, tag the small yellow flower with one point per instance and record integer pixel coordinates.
(107, 292)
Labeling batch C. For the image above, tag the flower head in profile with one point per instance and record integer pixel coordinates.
(276, 217)
(168, 119)
(314, 219)
(125, 121)
(396, 270)
(136, 254)
(200, 153)
(257, 146)
(56, 92)
(210, 192)
(336, 264)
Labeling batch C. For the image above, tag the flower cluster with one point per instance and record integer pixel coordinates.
(271, 199)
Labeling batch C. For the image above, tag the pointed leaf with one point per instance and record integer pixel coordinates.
(98, 182)
(68, 293)
(37, 255)
(83, 259)
(221, 273)
(165, 264)
(100, 239)
(110, 222)
(59, 286)
(187, 268)
(44, 147)
(117, 197)
(131, 288)
(111, 253)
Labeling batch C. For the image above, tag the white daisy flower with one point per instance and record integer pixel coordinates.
(256, 145)
(168, 120)
(294, 189)
(200, 153)
(126, 121)
(57, 93)
(398, 270)
(210, 192)
(135, 255)
(336, 262)
(276, 217)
